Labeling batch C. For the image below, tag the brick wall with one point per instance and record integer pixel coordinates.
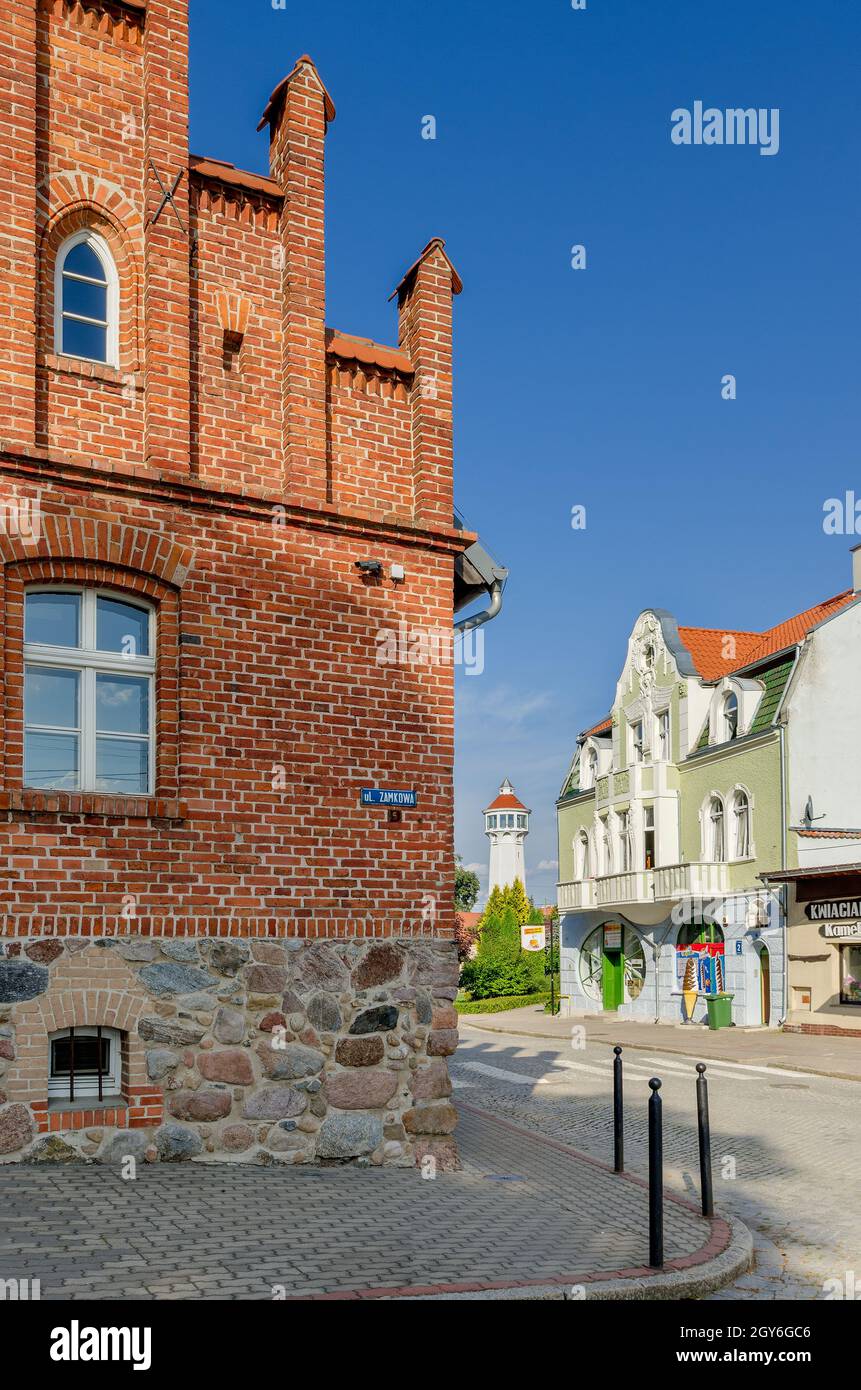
(232, 468)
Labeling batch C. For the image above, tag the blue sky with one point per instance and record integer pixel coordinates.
(598, 387)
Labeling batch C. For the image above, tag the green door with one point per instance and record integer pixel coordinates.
(613, 979)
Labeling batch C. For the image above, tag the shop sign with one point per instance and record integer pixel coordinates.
(833, 910)
(842, 931)
(532, 938)
(612, 937)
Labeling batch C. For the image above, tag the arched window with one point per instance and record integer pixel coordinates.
(584, 859)
(89, 697)
(592, 768)
(730, 715)
(741, 824)
(717, 839)
(86, 300)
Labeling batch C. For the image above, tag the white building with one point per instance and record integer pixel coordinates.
(506, 825)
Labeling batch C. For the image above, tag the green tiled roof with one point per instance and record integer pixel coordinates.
(774, 680)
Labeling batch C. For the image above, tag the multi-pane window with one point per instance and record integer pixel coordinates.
(716, 830)
(521, 822)
(648, 837)
(89, 675)
(86, 296)
(730, 716)
(637, 741)
(625, 855)
(741, 817)
(664, 735)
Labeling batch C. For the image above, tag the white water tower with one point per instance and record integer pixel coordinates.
(506, 825)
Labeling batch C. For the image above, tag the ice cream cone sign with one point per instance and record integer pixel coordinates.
(689, 988)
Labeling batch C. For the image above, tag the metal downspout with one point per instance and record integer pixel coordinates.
(479, 619)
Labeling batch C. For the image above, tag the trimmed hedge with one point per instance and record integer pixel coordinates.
(498, 1005)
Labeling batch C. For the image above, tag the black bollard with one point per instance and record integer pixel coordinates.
(656, 1178)
(705, 1141)
(618, 1113)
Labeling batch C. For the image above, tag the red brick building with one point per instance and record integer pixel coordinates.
(212, 505)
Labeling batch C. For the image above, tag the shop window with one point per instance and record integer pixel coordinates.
(700, 957)
(850, 974)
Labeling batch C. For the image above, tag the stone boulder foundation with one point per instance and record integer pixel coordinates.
(271, 1051)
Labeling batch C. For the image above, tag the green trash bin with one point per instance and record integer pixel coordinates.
(719, 1007)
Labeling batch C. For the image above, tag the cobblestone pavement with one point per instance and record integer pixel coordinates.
(521, 1210)
(791, 1141)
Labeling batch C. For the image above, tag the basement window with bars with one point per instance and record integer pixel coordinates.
(86, 1064)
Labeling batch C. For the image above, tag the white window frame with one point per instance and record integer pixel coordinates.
(726, 727)
(663, 736)
(88, 1087)
(638, 745)
(737, 795)
(712, 835)
(112, 298)
(88, 662)
(626, 842)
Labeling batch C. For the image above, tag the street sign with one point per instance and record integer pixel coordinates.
(384, 796)
(532, 938)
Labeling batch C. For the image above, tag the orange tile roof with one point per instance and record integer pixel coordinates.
(506, 803)
(708, 645)
(208, 168)
(366, 350)
(601, 728)
(830, 834)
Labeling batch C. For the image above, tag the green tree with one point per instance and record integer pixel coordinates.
(466, 886)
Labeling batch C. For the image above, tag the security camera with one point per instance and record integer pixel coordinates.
(369, 566)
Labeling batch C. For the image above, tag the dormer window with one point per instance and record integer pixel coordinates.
(729, 713)
(591, 767)
(86, 300)
(649, 656)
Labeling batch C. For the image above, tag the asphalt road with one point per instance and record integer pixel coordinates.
(784, 1143)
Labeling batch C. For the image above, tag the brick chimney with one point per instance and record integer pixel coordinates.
(425, 333)
(18, 200)
(167, 243)
(298, 113)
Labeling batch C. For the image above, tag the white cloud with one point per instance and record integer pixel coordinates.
(547, 864)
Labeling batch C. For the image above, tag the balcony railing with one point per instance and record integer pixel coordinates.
(633, 887)
(666, 884)
(690, 881)
(572, 897)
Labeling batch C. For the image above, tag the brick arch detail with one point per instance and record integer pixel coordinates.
(70, 202)
(90, 987)
(104, 542)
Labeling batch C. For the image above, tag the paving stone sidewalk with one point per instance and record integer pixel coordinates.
(525, 1210)
(816, 1053)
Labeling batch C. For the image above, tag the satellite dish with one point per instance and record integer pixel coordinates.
(808, 812)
